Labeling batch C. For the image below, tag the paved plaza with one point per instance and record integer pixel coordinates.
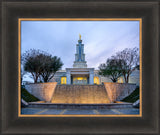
(40, 111)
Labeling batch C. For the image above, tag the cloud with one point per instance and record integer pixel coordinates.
(101, 38)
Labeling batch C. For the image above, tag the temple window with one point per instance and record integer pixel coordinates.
(96, 80)
(120, 80)
(63, 80)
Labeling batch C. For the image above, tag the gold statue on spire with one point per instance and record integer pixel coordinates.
(79, 36)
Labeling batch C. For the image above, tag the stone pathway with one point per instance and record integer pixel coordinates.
(40, 111)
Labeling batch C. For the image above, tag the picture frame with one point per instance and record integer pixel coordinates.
(139, 20)
(148, 11)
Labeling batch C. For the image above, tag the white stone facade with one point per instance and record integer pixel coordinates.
(134, 77)
(82, 75)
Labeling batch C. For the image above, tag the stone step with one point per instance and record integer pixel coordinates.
(80, 106)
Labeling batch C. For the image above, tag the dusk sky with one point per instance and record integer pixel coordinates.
(101, 39)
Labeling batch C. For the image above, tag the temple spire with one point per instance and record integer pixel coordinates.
(80, 56)
(79, 36)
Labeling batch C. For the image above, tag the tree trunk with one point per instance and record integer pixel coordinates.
(113, 80)
(36, 79)
(46, 79)
(127, 78)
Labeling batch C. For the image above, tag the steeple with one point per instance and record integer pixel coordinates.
(80, 56)
(79, 36)
(80, 40)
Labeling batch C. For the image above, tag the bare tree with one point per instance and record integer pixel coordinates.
(129, 59)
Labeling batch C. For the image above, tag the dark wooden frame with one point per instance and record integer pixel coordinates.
(148, 11)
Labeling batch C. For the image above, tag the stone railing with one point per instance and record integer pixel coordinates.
(118, 91)
(43, 91)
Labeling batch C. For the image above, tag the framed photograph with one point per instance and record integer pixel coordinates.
(86, 67)
(104, 83)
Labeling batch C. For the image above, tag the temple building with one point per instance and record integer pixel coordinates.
(81, 74)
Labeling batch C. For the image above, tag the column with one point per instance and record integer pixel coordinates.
(68, 77)
(91, 77)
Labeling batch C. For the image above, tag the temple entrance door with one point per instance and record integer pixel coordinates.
(79, 80)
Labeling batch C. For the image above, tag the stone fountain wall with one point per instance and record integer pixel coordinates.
(43, 91)
(118, 91)
(80, 94)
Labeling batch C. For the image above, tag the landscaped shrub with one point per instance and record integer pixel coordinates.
(27, 96)
(133, 97)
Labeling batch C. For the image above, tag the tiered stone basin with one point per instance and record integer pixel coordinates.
(80, 94)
